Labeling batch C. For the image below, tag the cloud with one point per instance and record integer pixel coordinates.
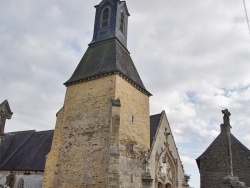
(188, 160)
(193, 56)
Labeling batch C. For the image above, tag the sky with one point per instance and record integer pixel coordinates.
(193, 56)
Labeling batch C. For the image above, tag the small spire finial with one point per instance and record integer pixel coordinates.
(5, 113)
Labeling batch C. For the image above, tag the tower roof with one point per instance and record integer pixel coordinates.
(106, 58)
(107, 54)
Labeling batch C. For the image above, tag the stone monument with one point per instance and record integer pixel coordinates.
(230, 181)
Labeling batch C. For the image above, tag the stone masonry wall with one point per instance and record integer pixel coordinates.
(50, 178)
(82, 138)
(214, 164)
(134, 133)
(134, 115)
(93, 137)
(241, 162)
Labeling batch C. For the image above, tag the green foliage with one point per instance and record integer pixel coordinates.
(187, 177)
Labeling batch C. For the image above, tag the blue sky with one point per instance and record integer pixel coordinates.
(193, 56)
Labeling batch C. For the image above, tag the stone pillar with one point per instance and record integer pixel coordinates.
(226, 126)
(113, 179)
(229, 181)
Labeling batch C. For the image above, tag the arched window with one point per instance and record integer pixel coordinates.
(105, 18)
(122, 23)
(20, 183)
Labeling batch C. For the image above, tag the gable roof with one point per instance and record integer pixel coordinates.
(107, 58)
(25, 150)
(154, 123)
(218, 140)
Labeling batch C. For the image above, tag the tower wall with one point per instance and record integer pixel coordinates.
(96, 142)
(134, 133)
(52, 167)
(79, 156)
(134, 104)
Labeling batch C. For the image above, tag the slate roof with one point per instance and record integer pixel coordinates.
(218, 140)
(25, 150)
(154, 123)
(105, 58)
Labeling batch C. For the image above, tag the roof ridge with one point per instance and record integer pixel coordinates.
(155, 114)
(240, 142)
(18, 148)
(44, 131)
(21, 131)
(217, 137)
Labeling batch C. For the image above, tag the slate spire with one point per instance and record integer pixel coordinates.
(107, 54)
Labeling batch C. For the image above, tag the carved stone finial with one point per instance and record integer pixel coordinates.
(5, 113)
(226, 117)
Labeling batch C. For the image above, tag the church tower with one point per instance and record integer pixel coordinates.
(102, 132)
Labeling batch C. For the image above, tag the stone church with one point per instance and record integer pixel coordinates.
(226, 162)
(104, 134)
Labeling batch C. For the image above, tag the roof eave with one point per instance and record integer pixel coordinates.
(143, 90)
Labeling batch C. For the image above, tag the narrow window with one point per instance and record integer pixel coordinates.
(132, 178)
(122, 23)
(105, 18)
(20, 183)
(132, 119)
(131, 147)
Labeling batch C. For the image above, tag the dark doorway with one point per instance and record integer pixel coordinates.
(168, 185)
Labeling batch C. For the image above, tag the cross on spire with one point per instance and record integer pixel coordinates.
(226, 117)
